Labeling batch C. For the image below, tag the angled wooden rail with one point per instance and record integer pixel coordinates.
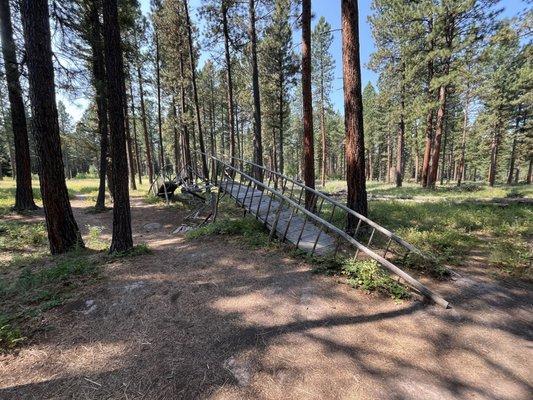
(279, 202)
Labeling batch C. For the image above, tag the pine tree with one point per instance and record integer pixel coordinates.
(24, 193)
(63, 232)
(323, 75)
(257, 140)
(116, 93)
(307, 100)
(279, 69)
(353, 112)
(497, 94)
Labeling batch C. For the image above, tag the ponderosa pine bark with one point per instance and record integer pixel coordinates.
(429, 117)
(176, 143)
(529, 170)
(307, 102)
(129, 149)
(461, 168)
(192, 61)
(98, 70)
(122, 238)
(441, 111)
(229, 77)
(494, 150)
(400, 148)
(147, 141)
(159, 121)
(323, 132)
(63, 232)
(23, 193)
(353, 112)
(135, 142)
(258, 141)
(185, 137)
(512, 158)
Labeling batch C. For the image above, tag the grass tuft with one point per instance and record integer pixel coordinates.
(138, 250)
(10, 336)
(38, 287)
(249, 228)
(368, 275)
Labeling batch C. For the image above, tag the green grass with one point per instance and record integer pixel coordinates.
(368, 275)
(29, 290)
(18, 236)
(249, 228)
(409, 190)
(364, 274)
(138, 250)
(448, 231)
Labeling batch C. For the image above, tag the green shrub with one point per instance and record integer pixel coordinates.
(138, 250)
(514, 194)
(10, 336)
(513, 258)
(18, 236)
(251, 229)
(368, 275)
(95, 237)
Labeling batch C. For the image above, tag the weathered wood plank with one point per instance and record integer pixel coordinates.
(265, 209)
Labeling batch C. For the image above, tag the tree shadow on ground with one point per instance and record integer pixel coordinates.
(212, 318)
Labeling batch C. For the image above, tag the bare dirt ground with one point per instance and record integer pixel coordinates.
(214, 319)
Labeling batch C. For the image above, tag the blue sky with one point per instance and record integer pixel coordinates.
(330, 9)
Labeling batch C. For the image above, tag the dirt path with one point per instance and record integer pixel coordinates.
(214, 319)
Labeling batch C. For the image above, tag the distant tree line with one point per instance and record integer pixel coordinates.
(451, 103)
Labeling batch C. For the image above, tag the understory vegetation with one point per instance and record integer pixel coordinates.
(31, 280)
(452, 223)
(27, 289)
(451, 226)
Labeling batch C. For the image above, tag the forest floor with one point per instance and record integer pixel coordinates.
(233, 317)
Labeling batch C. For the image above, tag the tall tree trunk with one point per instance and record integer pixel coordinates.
(176, 138)
(416, 152)
(257, 141)
(389, 157)
(442, 168)
(529, 170)
(461, 168)
(441, 112)
(159, 123)
(229, 77)
(129, 150)
(401, 138)
(23, 193)
(134, 120)
(513, 150)
(323, 129)
(353, 112)
(307, 101)
(186, 145)
(98, 69)
(147, 141)
(494, 150)
(212, 118)
(116, 90)
(9, 140)
(430, 116)
(63, 232)
(192, 60)
(281, 158)
(427, 148)
(439, 131)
